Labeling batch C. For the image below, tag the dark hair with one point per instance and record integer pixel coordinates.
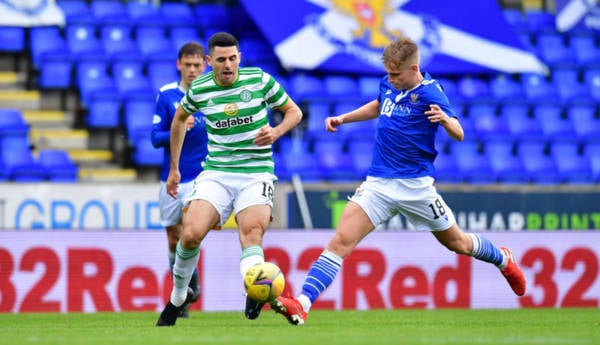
(191, 48)
(222, 39)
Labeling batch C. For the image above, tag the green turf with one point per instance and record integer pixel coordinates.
(525, 326)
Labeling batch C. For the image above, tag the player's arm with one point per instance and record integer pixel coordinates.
(292, 115)
(450, 123)
(178, 129)
(366, 112)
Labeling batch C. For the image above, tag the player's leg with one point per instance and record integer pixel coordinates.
(354, 225)
(253, 209)
(483, 249)
(200, 217)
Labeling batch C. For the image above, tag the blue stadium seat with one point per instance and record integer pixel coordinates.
(153, 40)
(584, 119)
(256, 51)
(553, 49)
(504, 88)
(355, 130)
(307, 87)
(104, 110)
(335, 164)
(555, 126)
(55, 71)
(538, 165)
(539, 20)
(538, 88)
(341, 87)
(214, 15)
(446, 169)
(82, 38)
(567, 82)
(12, 124)
(13, 39)
(520, 124)
(591, 152)
(298, 159)
(591, 78)
(45, 40)
(174, 13)
(117, 39)
(161, 70)
(183, 34)
(361, 153)
(144, 154)
(571, 165)
(20, 164)
(92, 77)
(368, 87)
(515, 18)
(108, 10)
(584, 46)
(474, 88)
(471, 163)
(75, 9)
(143, 12)
(316, 113)
(129, 77)
(138, 112)
(488, 125)
(504, 162)
(58, 165)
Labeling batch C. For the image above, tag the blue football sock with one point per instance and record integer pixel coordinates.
(321, 275)
(485, 250)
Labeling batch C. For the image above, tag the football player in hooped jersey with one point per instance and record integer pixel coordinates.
(410, 107)
(238, 173)
(191, 64)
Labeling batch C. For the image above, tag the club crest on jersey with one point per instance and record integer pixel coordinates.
(231, 109)
(245, 95)
(413, 98)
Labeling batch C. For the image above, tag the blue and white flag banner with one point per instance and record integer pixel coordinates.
(28, 13)
(459, 36)
(573, 13)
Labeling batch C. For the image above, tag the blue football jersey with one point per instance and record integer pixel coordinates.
(194, 147)
(404, 141)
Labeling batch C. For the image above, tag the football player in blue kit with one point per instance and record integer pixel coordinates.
(410, 107)
(190, 64)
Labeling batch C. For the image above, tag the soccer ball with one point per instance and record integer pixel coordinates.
(264, 282)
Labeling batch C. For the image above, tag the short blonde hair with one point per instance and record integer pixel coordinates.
(403, 52)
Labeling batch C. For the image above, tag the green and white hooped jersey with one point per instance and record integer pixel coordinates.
(234, 115)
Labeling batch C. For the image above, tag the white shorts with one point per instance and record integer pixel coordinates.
(171, 210)
(233, 192)
(414, 198)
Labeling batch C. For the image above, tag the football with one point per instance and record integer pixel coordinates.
(264, 282)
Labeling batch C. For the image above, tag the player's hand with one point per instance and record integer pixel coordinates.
(436, 114)
(265, 136)
(173, 183)
(332, 123)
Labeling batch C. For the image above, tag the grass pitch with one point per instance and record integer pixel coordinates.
(524, 326)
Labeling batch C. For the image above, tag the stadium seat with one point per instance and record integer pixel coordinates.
(553, 49)
(13, 39)
(504, 162)
(485, 122)
(283, 175)
(143, 12)
(129, 77)
(368, 87)
(44, 41)
(298, 159)
(307, 87)
(539, 20)
(173, 13)
(92, 77)
(471, 163)
(117, 39)
(334, 162)
(584, 119)
(572, 167)
(104, 110)
(355, 130)
(152, 40)
(584, 46)
(58, 165)
(550, 118)
(473, 88)
(108, 10)
(214, 15)
(538, 165)
(538, 88)
(161, 70)
(138, 111)
(520, 124)
(504, 88)
(82, 38)
(446, 169)
(182, 34)
(21, 165)
(515, 18)
(341, 87)
(591, 152)
(144, 154)
(316, 113)
(55, 71)
(361, 153)
(591, 78)
(12, 124)
(567, 82)
(75, 9)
